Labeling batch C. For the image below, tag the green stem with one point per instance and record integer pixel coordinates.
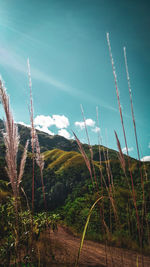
(85, 228)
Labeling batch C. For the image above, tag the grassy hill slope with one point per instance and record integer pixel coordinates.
(69, 189)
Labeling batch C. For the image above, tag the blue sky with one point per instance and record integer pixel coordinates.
(65, 41)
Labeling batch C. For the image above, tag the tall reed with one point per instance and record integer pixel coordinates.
(125, 139)
(122, 161)
(32, 133)
(131, 102)
(90, 149)
(91, 167)
(40, 162)
(135, 132)
(11, 140)
(86, 159)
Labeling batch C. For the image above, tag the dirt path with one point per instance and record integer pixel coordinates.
(65, 248)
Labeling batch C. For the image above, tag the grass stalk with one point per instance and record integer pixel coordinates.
(131, 102)
(32, 132)
(26, 198)
(90, 149)
(122, 122)
(90, 170)
(40, 162)
(122, 161)
(85, 228)
(135, 132)
(87, 162)
(11, 140)
(105, 227)
(100, 162)
(22, 164)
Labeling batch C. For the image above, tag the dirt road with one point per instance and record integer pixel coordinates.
(65, 248)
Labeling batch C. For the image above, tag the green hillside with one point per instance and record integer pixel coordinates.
(69, 190)
(50, 142)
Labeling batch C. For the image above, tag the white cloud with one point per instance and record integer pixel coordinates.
(146, 158)
(89, 122)
(41, 126)
(64, 133)
(129, 149)
(44, 129)
(43, 121)
(80, 124)
(96, 130)
(60, 121)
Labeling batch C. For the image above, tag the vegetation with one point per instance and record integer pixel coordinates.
(27, 251)
(21, 228)
(69, 191)
(88, 186)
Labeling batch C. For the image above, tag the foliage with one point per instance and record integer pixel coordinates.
(41, 222)
(68, 189)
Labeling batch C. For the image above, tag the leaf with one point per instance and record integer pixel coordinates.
(85, 228)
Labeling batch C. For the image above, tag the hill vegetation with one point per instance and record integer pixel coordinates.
(70, 193)
(71, 182)
(50, 142)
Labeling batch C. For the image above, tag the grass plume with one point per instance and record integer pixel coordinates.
(40, 162)
(125, 139)
(32, 132)
(121, 156)
(131, 102)
(11, 140)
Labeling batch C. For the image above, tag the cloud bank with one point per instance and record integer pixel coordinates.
(43, 123)
(64, 133)
(96, 130)
(81, 125)
(129, 149)
(146, 158)
(60, 121)
(44, 129)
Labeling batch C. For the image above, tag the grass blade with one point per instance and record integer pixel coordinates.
(84, 231)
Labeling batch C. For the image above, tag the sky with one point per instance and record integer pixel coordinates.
(66, 44)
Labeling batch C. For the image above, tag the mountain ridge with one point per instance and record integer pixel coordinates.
(50, 142)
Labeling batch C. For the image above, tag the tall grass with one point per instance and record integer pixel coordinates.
(91, 151)
(11, 140)
(124, 133)
(32, 132)
(125, 164)
(36, 154)
(24, 233)
(135, 132)
(105, 189)
(40, 162)
(85, 228)
(100, 196)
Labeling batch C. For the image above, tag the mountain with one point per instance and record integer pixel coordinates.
(49, 142)
(69, 189)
